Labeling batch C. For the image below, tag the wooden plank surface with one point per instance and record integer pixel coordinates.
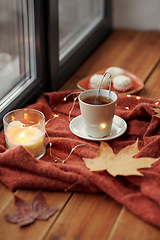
(95, 216)
(152, 85)
(129, 227)
(87, 216)
(38, 229)
(137, 52)
(5, 197)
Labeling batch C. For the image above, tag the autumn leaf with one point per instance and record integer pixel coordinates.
(157, 110)
(122, 163)
(27, 213)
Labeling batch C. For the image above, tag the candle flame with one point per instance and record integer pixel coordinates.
(21, 135)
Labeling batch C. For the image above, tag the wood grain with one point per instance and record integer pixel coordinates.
(152, 85)
(5, 196)
(137, 52)
(86, 216)
(128, 226)
(39, 228)
(95, 216)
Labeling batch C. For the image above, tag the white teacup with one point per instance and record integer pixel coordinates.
(97, 119)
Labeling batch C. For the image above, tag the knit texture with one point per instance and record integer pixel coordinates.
(18, 169)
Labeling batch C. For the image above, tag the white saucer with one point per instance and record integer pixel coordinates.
(119, 126)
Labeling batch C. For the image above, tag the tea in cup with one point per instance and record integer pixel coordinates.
(97, 111)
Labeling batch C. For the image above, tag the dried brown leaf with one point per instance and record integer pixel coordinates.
(27, 213)
(122, 163)
(157, 110)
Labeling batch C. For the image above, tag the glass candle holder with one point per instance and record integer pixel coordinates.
(25, 127)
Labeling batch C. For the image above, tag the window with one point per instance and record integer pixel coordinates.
(43, 42)
(14, 47)
(18, 63)
(77, 18)
(81, 26)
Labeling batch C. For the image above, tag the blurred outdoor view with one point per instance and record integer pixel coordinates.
(11, 45)
(77, 18)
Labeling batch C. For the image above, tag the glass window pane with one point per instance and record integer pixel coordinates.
(14, 46)
(76, 19)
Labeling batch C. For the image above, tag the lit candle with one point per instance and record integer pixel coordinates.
(28, 131)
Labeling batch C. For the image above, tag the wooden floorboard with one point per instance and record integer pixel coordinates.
(38, 229)
(130, 227)
(95, 216)
(152, 85)
(89, 216)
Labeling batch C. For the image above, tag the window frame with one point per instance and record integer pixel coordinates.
(50, 73)
(32, 88)
(61, 71)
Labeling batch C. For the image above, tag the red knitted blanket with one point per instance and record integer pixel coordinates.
(18, 169)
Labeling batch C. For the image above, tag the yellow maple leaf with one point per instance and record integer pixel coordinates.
(122, 163)
(157, 110)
